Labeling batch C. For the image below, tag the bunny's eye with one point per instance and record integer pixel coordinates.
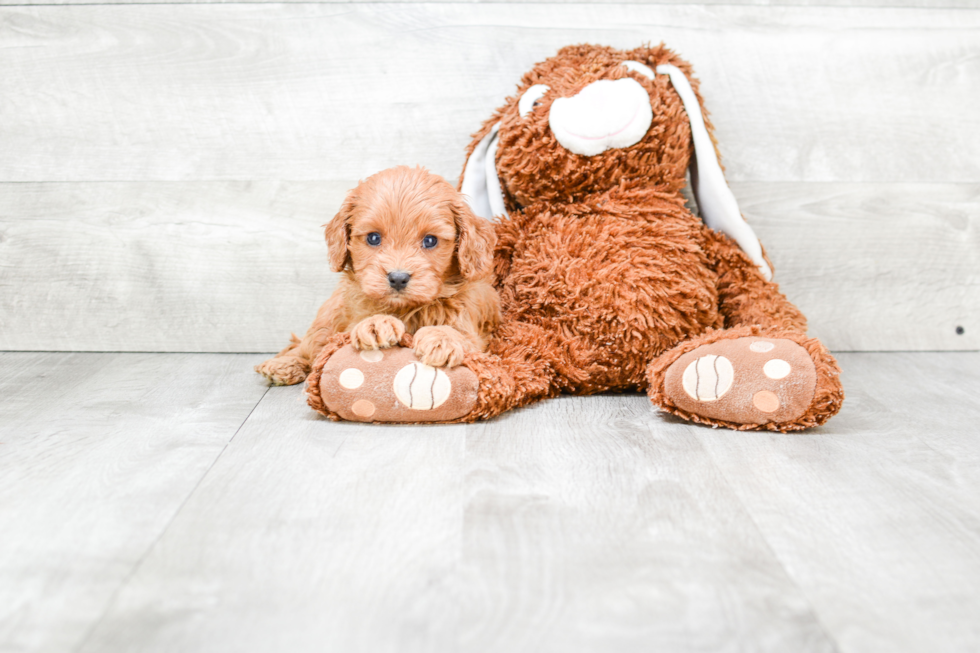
(641, 68)
(530, 98)
(430, 241)
(373, 239)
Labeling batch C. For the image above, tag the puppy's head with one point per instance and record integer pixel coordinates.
(406, 235)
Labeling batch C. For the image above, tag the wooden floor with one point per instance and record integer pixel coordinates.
(172, 502)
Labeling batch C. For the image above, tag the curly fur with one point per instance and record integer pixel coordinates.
(449, 287)
(605, 276)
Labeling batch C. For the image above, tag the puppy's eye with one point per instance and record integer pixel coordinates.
(430, 241)
(374, 239)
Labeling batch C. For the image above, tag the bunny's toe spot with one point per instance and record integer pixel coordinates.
(362, 408)
(766, 401)
(351, 378)
(372, 355)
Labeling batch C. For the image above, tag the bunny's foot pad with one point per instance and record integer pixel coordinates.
(391, 385)
(749, 380)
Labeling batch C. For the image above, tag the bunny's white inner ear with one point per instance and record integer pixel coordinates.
(715, 199)
(481, 186)
(638, 67)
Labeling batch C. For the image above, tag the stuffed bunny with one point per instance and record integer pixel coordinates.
(607, 281)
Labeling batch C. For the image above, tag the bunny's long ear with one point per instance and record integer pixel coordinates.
(480, 183)
(719, 210)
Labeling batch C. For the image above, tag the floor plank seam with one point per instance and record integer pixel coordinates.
(769, 547)
(734, 3)
(142, 559)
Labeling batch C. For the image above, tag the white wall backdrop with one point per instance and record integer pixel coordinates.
(165, 168)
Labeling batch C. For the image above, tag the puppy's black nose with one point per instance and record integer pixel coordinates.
(398, 279)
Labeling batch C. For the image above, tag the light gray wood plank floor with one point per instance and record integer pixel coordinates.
(97, 454)
(926, 4)
(171, 503)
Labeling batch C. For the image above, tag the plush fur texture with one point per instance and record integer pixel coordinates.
(605, 277)
(448, 303)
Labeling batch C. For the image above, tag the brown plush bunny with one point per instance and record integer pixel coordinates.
(607, 281)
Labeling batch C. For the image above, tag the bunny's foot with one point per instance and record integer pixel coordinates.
(748, 378)
(389, 385)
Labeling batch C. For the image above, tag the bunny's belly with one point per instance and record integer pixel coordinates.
(619, 291)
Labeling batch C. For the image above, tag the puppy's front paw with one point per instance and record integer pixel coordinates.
(440, 346)
(377, 332)
(283, 370)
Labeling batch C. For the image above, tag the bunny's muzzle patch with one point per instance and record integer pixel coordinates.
(604, 115)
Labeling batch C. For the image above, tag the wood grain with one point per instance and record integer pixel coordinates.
(229, 266)
(97, 454)
(308, 536)
(925, 4)
(876, 515)
(580, 525)
(237, 266)
(338, 91)
(875, 266)
(577, 524)
(593, 524)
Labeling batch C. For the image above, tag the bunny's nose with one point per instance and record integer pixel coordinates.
(604, 115)
(398, 279)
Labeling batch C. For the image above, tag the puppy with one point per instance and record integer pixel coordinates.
(414, 258)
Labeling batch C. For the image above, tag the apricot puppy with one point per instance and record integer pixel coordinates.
(414, 259)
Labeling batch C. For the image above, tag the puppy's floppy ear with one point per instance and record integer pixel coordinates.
(337, 234)
(475, 240)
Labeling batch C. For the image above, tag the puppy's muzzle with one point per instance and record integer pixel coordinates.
(398, 279)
